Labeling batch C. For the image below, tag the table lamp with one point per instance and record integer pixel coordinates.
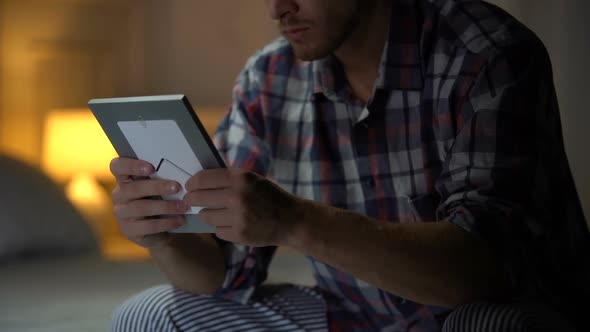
(77, 153)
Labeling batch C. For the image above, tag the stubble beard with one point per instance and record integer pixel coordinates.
(307, 52)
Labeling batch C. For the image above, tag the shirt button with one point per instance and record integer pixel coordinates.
(371, 182)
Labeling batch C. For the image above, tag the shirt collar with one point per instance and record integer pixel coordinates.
(401, 63)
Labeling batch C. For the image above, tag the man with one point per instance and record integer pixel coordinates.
(411, 149)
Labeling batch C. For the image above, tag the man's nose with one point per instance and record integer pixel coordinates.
(279, 8)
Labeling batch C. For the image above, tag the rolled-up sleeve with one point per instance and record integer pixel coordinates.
(490, 184)
(240, 140)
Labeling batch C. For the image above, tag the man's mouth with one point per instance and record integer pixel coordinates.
(295, 33)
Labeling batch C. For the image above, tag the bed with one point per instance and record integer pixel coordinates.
(52, 277)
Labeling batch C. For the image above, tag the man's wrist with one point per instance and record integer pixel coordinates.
(307, 214)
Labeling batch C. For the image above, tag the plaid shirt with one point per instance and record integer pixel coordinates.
(462, 126)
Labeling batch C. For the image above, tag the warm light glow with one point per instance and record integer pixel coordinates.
(74, 142)
(91, 200)
(94, 204)
(84, 190)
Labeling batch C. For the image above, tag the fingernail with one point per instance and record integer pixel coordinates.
(145, 170)
(173, 188)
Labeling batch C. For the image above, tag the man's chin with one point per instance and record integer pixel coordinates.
(309, 54)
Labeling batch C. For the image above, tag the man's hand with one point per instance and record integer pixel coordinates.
(139, 217)
(244, 207)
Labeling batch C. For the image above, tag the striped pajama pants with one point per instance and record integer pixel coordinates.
(273, 308)
(296, 308)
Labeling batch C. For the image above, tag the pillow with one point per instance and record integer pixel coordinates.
(36, 218)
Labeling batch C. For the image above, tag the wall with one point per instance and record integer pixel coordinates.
(59, 54)
(199, 47)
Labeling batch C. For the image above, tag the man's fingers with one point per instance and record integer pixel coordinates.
(124, 168)
(212, 198)
(148, 208)
(126, 192)
(218, 217)
(123, 178)
(152, 239)
(140, 228)
(210, 179)
(226, 234)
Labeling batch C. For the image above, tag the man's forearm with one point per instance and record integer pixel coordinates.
(192, 262)
(433, 263)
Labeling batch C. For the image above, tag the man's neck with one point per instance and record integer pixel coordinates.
(361, 54)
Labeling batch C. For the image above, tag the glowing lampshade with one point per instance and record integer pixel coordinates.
(75, 143)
